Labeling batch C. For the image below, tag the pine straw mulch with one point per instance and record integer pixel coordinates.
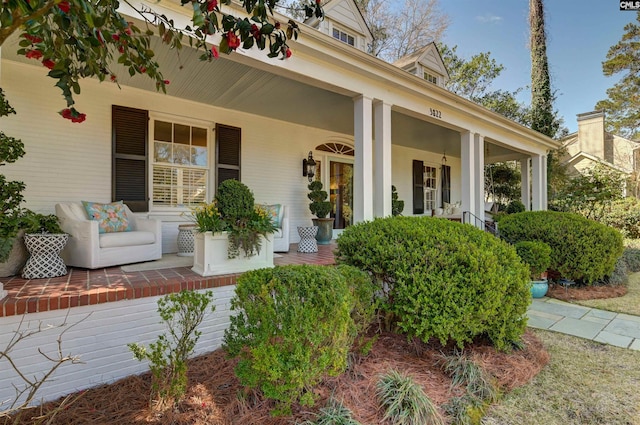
(215, 397)
(582, 293)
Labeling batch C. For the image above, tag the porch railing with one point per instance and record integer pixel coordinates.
(490, 226)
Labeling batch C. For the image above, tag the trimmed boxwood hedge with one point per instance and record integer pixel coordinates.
(581, 249)
(294, 324)
(442, 279)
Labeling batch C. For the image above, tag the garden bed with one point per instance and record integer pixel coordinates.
(215, 397)
(582, 293)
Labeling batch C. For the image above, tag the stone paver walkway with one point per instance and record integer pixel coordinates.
(621, 330)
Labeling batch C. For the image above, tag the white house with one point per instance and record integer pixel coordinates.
(369, 124)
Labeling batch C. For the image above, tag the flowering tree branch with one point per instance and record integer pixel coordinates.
(76, 39)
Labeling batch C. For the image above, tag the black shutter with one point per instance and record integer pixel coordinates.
(418, 187)
(446, 184)
(129, 169)
(227, 153)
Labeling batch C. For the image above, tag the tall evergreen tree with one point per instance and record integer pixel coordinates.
(542, 117)
(623, 104)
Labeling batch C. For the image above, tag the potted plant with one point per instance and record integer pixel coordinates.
(231, 234)
(397, 206)
(320, 207)
(537, 255)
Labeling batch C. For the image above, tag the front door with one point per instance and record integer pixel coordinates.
(341, 193)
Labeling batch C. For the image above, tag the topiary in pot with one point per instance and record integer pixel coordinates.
(537, 255)
(397, 206)
(320, 207)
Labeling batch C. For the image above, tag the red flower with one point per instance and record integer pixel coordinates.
(288, 53)
(318, 1)
(255, 31)
(64, 6)
(232, 40)
(211, 5)
(166, 82)
(73, 115)
(121, 49)
(127, 29)
(214, 52)
(115, 37)
(34, 54)
(48, 63)
(114, 77)
(142, 69)
(277, 25)
(32, 38)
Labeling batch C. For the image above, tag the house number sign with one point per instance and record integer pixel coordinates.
(435, 113)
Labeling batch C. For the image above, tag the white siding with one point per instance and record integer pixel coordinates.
(346, 16)
(99, 337)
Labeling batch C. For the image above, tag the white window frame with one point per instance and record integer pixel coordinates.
(176, 119)
(430, 77)
(341, 32)
(431, 202)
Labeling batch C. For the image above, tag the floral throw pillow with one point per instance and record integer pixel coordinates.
(275, 212)
(110, 217)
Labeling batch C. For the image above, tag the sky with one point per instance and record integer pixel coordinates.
(579, 35)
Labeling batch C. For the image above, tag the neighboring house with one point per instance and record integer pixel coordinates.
(592, 145)
(369, 124)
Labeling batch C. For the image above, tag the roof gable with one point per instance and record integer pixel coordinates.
(347, 14)
(426, 59)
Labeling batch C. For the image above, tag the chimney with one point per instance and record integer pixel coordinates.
(591, 133)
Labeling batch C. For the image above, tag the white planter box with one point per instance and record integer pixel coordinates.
(210, 256)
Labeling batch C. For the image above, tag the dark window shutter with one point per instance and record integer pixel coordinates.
(418, 187)
(446, 184)
(129, 140)
(227, 153)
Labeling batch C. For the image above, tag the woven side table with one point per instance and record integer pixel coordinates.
(186, 241)
(45, 260)
(308, 241)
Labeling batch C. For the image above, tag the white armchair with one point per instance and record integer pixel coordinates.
(93, 250)
(281, 235)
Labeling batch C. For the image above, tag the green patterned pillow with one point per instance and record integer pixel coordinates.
(276, 212)
(110, 217)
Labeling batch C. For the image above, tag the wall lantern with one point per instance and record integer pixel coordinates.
(309, 167)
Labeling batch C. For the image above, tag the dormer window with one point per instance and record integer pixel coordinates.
(431, 78)
(344, 37)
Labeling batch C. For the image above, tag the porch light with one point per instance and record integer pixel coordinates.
(444, 158)
(309, 167)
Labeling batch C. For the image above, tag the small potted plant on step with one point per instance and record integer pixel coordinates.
(537, 255)
(320, 207)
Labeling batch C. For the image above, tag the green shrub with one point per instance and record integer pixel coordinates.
(182, 312)
(293, 326)
(623, 215)
(581, 249)
(515, 207)
(405, 402)
(397, 206)
(319, 205)
(442, 279)
(234, 201)
(537, 255)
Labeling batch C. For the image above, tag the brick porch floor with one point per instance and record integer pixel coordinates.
(87, 287)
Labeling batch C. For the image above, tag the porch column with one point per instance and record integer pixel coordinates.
(363, 166)
(479, 177)
(468, 174)
(538, 185)
(525, 183)
(382, 169)
(545, 184)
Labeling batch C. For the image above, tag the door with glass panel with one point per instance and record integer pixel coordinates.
(341, 193)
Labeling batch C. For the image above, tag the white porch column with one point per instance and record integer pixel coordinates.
(382, 169)
(545, 187)
(468, 174)
(479, 177)
(538, 185)
(525, 183)
(363, 166)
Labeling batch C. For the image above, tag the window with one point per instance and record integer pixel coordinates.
(180, 164)
(431, 78)
(344, 37)
(430, 188)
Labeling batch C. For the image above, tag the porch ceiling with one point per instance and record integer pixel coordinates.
(231, 82)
